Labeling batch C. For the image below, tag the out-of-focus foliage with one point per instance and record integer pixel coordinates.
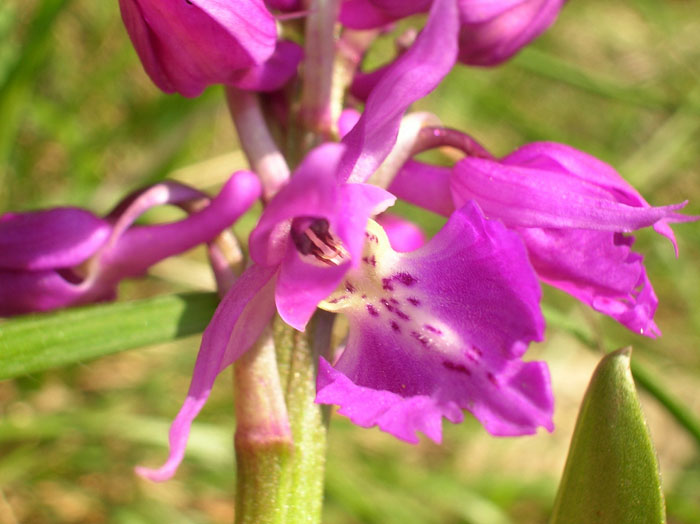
(81, 124)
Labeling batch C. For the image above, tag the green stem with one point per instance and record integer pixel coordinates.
(263, 438)
(318, 111)
(297, 357)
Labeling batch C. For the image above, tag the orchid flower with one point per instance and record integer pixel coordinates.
(68, 256)
(572, 212)
(490, 32)
(439, 330)
(186, 45)
(312, 233)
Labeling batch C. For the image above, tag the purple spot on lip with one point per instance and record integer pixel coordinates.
(349, 287)
(386, 284)
(413, 300)
(420, 338)
(372, 310)
(432, 329)
(492, 379)
(337, 299)
(394, 301)
(386, 304)
(402, 315)
(405, 278)
(395, 326)
(456, 367)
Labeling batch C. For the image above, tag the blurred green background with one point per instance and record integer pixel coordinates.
(81, 124)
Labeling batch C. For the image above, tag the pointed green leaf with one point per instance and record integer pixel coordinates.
(611, 474)
(41, 342)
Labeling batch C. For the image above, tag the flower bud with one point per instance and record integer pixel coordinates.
(186, 45)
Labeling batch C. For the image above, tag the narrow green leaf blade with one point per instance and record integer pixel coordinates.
(40, 342)
(611, 474)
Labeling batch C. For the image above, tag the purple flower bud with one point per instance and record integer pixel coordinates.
(493, 31)
(186, 45)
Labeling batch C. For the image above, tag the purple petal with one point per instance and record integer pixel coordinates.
(357, 203)
(363, 83)
(532, 197)
(443, 331)
(564, 159)
(26, 292)
(415, 74)
(598, 268)
(492, 32)
(368, 14)
(424, 185)
(479, 11)
(284, 5)
(348, 119)
(363, 14)
(273, 73)
(237, 323)
(312, 191)
(403, 234)
(55, 238)
(140, 247)
(185, 46)
(402, 8)
(301, 286)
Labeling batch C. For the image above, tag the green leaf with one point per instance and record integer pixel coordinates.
(611, 473)
(46, 341)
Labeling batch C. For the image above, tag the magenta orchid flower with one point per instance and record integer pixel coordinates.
(68, 256)
(572, 212)
(490, 31)
(440, 330)
(187, 45)
(313, 231)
